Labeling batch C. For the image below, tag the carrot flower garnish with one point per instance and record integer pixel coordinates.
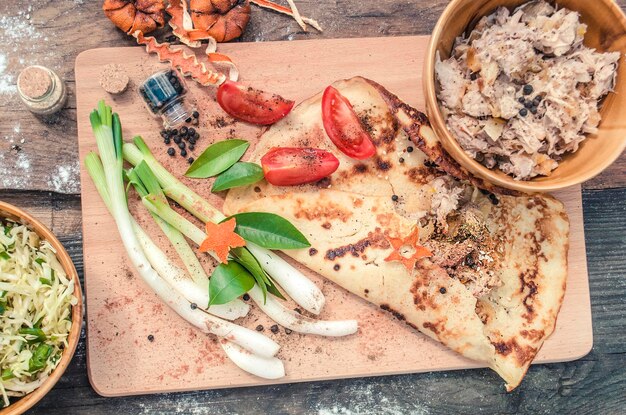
(399, 254)
(221, 237)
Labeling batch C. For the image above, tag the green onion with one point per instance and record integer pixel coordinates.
(302, 290)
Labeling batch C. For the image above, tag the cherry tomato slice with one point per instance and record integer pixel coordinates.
(252, 105)
(344, 127)
(289, 166)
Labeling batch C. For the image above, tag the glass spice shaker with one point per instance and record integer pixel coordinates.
(163, 93)
(42, 90)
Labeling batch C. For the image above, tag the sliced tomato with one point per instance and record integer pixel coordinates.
(289, 166)
(252, 105)
(344, 127)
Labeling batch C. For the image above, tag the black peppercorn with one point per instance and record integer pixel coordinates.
(193, 306)
(174, 131)
(177, 139)
(188, 120)
(527, 89)
(537, 99)
(164, 133)
(195, 114)
(191, 131)
(171, 151)
(182, 145)
(409, 149)
(528, 104)
(274, 329)
(167, 141)
(183, 130)
(523, 112)
(401, 160)
(150, 338)
(394, 198)
(196, 135)
(442, 290)
(246, 297)
(259, 328)
(533, 110)
(337, 267)
(191, 147)
(183, 153)
(190, 160)
(521, 100)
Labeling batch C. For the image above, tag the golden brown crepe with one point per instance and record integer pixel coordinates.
(492, 288)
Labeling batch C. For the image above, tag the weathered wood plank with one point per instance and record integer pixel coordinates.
(594, 384)
(52, 33)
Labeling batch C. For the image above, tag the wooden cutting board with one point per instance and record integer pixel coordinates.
(122, 312)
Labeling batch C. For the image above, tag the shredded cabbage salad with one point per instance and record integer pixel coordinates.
(35, 310)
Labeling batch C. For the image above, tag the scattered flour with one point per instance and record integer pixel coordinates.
(66, 179)
(7, 81)
(15, 171)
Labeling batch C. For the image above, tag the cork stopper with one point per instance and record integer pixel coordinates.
(114, 79)
(34, 82)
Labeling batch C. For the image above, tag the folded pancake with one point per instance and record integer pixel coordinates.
(493, 286)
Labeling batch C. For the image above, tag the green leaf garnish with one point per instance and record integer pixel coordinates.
(269, 231)
(240, 174)
(217, 158)
(40, 261)
(228, 282)
(5, 255)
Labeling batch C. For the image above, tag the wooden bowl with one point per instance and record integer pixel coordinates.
(26, 402)
(606, 31)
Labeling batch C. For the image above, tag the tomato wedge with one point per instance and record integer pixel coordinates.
(289, 166)
(252, 105)
(344, 127)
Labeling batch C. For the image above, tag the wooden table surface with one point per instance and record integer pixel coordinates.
(39, 172)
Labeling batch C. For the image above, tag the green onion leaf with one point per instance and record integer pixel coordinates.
(5, 255)
(45, 281)
(217, 158)
(2, 309)
(7, 374)
(249, 262)
(39, 358)
(40, 261)
(240, 174)
(34, 331)
(228, 282)
(269, 231)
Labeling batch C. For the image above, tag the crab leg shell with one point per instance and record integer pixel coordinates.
(188, 64)
(285, 10)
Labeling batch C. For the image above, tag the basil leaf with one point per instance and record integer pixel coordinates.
(269, 231)
(228, 282)
(217, 158)
(39, 358)
(240, 174)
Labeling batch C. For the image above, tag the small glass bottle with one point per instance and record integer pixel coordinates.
(163, 93)
(42, 90)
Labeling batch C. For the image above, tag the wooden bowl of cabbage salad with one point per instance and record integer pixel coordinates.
(40, 310)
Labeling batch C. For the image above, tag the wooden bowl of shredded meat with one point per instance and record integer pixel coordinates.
(501, 111)
(40, 310)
